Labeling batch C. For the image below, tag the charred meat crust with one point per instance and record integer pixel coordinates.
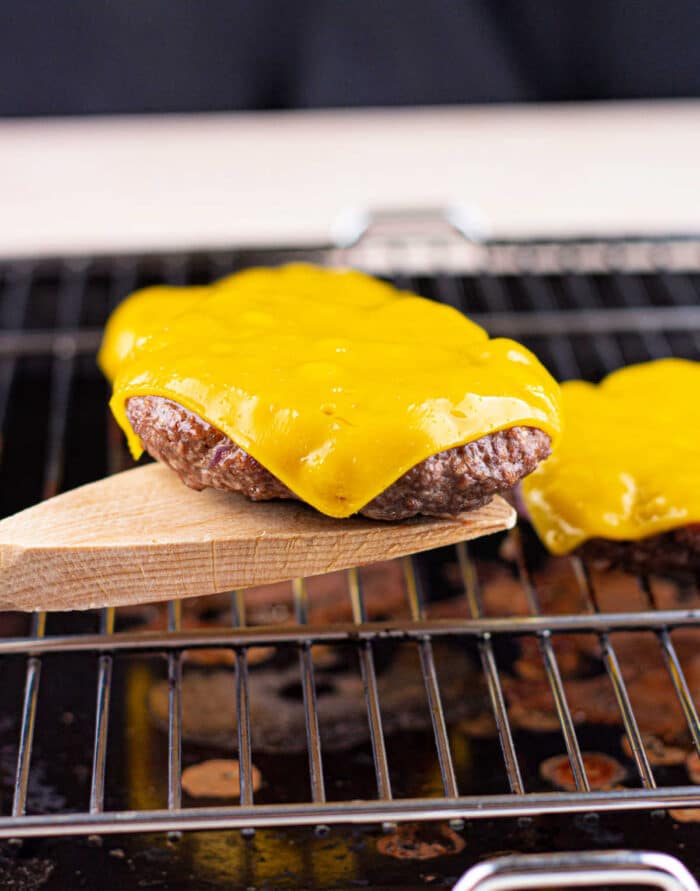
(674, 551)
(450, 482)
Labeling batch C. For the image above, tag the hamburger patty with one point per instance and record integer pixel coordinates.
(450, 482)
(674, 551)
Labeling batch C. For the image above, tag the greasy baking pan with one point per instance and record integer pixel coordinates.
(394, 725)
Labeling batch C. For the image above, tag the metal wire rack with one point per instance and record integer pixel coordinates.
(581, 323)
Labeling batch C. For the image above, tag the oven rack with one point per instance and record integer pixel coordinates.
(652, 318)
(361, 635)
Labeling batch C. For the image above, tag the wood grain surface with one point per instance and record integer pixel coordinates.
(142, 536)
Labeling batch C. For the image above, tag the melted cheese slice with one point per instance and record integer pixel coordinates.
(142, 314)
(628, 465)
(335, 382)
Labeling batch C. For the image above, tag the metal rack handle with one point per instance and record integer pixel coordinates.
(577, 869)
(404, 238)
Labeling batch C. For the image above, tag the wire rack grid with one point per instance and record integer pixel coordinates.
(580, 326)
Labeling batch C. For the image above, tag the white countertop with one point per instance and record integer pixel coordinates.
(139, 183)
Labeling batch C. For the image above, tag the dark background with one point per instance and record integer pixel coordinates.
(104, 56)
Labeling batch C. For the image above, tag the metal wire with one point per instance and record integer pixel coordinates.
(308, 684)
(612, 666)
(344, 632)
(69, 310)
(245, 756)
(104, 689)
(552, 671)
(15, 308)
(471, 807)
(26, 736)
(174, 712)
(369, 680)
(432, 689)
(493, 680)
(675, 669)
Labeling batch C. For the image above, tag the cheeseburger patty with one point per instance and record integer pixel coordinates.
(675, 551)
(450, 482)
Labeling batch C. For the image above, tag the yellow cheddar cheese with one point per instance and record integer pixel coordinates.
(143, 313)
(628, 464)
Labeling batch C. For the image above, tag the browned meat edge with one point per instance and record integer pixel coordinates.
(448, 483)
(675, 551)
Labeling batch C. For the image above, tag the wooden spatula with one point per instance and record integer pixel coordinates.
(141, 535)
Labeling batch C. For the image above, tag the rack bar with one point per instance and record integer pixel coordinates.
(493, 291)
(26, 736)
(588, 299)
(552, 671)
(175, 269)
(15, 309)
(306, 665)
(119, 286)
(540, 294)
(628, 717)
(339, 632)
(432, 688)
(490, 668)
(675, 669)
(49, 342)
(564, 713)
(245, 756)
(350, 812)
(450, 291)
(634, 295)
(104, 689)
(681, 686)
(678, 287)
(123, 279)
(612, 667)
(69, 307)
(222, 263)
(70, 303)
(174, 712)
(369, 680)
(680, 290)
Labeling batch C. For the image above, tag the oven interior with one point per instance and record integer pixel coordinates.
(395, 724)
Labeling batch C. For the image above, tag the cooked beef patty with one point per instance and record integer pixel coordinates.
(675, 551)
(452, 481)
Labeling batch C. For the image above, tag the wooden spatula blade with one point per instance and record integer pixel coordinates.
(141, 536)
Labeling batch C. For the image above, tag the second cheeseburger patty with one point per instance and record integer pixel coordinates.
(449, 482)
